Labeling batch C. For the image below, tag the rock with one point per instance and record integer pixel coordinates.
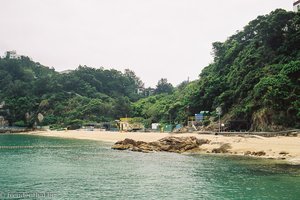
(180, 144)
(136, 149)
(190, 147)
(155, 144)
(124, 144)
(165, 148)
(283, 153)
(259, 153)
(127, 141)
(222, 149)
(168, 144)
(202, 141)
(216, 150)
(121, 147)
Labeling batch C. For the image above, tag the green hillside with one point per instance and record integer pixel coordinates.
(255, 77)
(83, 95)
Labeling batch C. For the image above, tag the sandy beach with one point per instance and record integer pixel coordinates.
(280, 147)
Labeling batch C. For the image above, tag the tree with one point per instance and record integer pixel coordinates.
(163, 87)
(137, 81)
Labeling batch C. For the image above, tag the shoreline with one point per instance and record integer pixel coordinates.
(279, 147)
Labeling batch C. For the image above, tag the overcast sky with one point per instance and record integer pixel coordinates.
(155, 38)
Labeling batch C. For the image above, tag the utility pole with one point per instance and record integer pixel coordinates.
(219, 112)
(219, 123)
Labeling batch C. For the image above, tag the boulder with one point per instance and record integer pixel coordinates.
(224, 148)
(121, 147)
(168, 144)
(283, 153)
(259, 153)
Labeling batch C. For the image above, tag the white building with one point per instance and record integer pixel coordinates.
(296, 5)
(2, 104)
(140, 91)
(155, 126)
(12, 55)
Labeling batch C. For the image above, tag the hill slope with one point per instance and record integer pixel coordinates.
(255, 77)
(85, 94)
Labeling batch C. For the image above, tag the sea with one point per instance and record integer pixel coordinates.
(36, 167)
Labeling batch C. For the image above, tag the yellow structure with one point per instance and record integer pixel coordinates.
(127, 125)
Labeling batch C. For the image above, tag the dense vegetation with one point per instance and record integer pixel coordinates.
(83, 95)
(255, 76)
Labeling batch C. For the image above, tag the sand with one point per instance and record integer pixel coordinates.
(280, 147)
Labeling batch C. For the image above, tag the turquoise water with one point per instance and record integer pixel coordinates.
(82, 169)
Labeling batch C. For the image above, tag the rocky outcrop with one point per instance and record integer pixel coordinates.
(255, 153)
(224, 148)
(168, 144)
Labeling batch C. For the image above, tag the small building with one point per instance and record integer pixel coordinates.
(128, 125)
(89, 127)
(167, 128)
(12, 55)
(155, 126)
(2, 104)
(149, 91)
(140, 91)
(199, 117)
(296, 6)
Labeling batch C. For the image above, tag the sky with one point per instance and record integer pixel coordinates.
(155, 38)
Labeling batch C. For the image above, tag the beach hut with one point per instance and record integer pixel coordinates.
(155, 126)
(168, 128)
(199, 117)
(129, 124)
